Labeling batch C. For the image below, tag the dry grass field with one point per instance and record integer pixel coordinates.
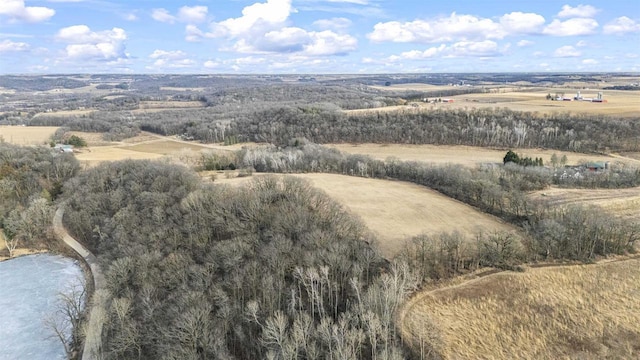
(619, 103)
(464, 155)
(96, 155)
(524, 96)
(27, 135)
(624, 203)
(170, 104)
(396, 211)
(567, 312)
(165, 147)
(62, 113)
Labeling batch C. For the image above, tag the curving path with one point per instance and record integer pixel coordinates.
(92, 345)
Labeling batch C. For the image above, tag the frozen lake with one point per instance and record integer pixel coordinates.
(29, 288)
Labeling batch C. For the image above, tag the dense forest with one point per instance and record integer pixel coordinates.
(30, 179)
(327, 123)
(195, 271)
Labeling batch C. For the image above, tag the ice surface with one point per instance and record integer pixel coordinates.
(29, 290)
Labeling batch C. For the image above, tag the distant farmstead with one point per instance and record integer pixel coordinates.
(597, 166)
(63, 148)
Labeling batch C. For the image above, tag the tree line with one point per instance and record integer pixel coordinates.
(496, 189)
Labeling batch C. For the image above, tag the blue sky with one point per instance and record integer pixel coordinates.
(317, 36)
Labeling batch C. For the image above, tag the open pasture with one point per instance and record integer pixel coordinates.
(525, 96)
(94, 156)
(27, 135)
(620, 202)
(165, 147)
(144, 105)
(567, 312)
(619, 103)
(397, 211)
(463, 155)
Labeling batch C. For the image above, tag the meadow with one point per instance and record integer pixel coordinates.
(463, 155)
(396, 211)
(572, 312)
(27, 135)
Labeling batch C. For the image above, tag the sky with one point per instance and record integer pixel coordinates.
(318, 36)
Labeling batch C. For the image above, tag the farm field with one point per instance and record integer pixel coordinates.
(96, 155)
(577, 312)
(27, 135)
(620, 202)
(165, 147)
(145, 146)
(464, 155)
(619, 102)
(396, 211)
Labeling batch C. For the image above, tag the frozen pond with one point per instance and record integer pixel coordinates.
(29, 289)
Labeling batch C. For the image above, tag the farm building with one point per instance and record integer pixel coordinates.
(63, 148)
(597, 166)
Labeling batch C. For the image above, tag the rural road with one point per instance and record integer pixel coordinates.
(91, 346)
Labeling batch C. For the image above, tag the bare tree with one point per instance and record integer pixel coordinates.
(64, 323)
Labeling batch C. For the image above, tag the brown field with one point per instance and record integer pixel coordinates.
(96, 155)
(624, 203)
(567, 312)
(171, 88)
(169, 104)
(396, 211)
(619, 103)
(464, 155)
(27, 135)
(165, 147)
(65, 113)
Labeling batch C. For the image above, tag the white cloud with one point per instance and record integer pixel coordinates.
(426, 54)
(522, 23)
(454, 27)
(262, 28)
(10, 46)
(193, 34)
(193, 14)
(258, 16)
(358, 2)
(580, 11)
(130, 17)
(486, 48)
(177, 59)
(523, 43)
(17, 11)
(38, 68)
(457, 28)
(170, 55)
(571, 27)
(329, 43)
(163, 15)
(332, 24)
(581, 43)
(621, 25)
(210, 64)
(566, 51)
(87, 44)
(590, 62)
(470, 48)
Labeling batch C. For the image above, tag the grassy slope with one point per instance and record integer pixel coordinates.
(586, 312)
